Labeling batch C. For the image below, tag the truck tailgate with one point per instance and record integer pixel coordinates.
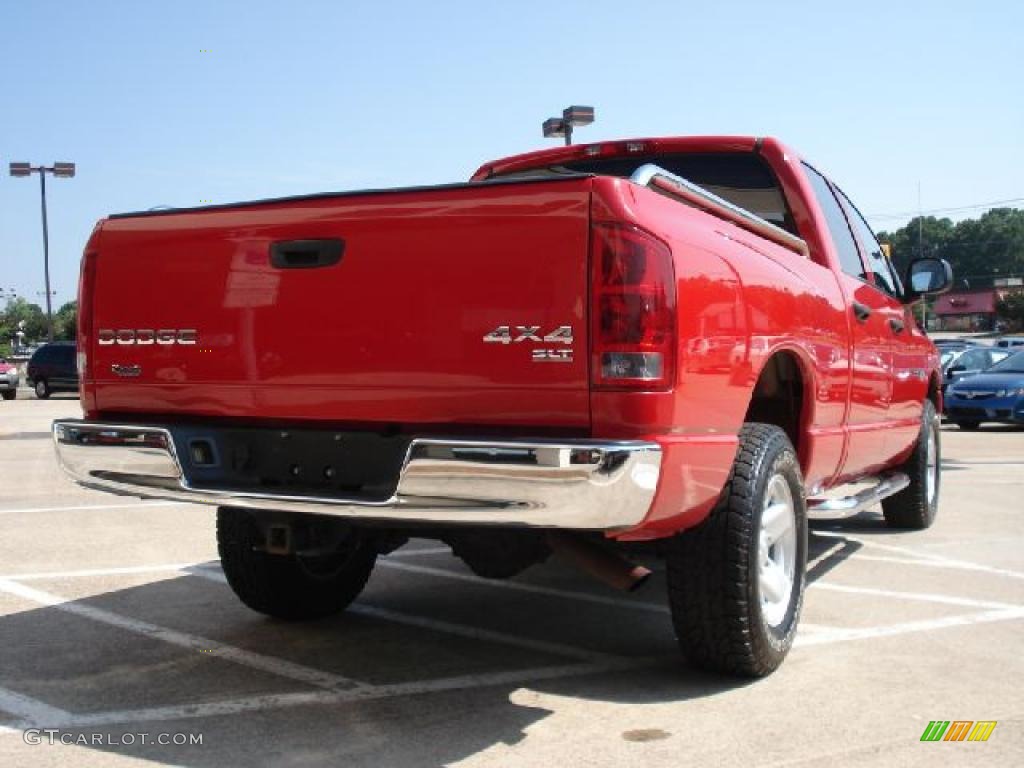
(392, 332)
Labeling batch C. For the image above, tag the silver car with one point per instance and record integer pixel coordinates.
(8, 379)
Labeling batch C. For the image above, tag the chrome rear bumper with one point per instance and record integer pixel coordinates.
(585, 484)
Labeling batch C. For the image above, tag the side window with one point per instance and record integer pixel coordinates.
(881, 269)
(974, 360)
(842, 238)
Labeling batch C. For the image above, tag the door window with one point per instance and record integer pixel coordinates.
(881, 269)
(838, 228)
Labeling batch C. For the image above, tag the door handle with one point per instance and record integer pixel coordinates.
(306, 254)
(896, 324)
(861, 311)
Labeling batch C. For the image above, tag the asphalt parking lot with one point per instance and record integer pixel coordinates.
(115, 622)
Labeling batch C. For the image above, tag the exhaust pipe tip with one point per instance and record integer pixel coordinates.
(638, 576)
(602, 564)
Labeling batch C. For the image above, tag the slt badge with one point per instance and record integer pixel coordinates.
(503, 334)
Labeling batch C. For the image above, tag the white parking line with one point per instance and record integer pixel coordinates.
(81, 507)
(32, 710)
(451, 628)
(418, 552)
(953, 565)
(878, 545)
(826, 554)
(923, 597)
(274, 666)
(920, 555)
(40, 575)
(926, 625)
(282, 700)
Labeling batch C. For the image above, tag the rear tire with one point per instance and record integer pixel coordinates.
(10, 394)
(736, 581)
(969, 426)
(289, 586)
(42, 389)
(914, 507)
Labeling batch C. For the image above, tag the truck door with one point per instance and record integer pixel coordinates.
(871, 350)
(910, 348)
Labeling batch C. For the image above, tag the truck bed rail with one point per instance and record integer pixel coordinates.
(651, 175)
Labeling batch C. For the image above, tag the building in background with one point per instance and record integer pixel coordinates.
(966, 310)
(973, 310)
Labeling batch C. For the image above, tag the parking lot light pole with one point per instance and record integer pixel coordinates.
(557, 127)
(62, 171)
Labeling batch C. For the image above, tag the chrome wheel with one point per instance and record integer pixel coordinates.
(931, 465)
(776, 551)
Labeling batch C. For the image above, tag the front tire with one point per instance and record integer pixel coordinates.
(968, 426)
(914, 507)
(289, 586)
(10, 394)
(42, 389)
(736, 581)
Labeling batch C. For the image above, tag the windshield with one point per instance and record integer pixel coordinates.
(1013, 364)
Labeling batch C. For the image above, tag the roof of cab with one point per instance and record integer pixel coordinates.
(546, 157)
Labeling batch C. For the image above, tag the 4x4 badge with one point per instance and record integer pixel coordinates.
(504, 334)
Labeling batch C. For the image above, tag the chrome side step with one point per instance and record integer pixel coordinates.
(848, 506)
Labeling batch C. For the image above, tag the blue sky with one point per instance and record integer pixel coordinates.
(180, 102)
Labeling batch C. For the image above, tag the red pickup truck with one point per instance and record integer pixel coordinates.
(681, 345)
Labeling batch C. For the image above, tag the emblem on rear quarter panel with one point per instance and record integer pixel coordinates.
(517, 334)
(127, 371)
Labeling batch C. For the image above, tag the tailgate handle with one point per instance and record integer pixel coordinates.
(306, 254)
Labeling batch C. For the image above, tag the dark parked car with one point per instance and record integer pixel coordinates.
(53, 369)
(960, 363)
(995, 395)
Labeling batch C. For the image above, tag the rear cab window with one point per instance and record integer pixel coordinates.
(743, 178)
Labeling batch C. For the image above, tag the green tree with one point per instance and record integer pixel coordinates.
(1011, 309)
(980, 250)
(19, 313)
(65, 322)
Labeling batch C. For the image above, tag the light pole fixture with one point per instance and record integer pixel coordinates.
(61, 171)
(557, 127)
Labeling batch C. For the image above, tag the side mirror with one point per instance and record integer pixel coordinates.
(928, 277)
(955, 369)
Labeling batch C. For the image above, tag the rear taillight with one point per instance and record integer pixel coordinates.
(86, 288)
(633, 302)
